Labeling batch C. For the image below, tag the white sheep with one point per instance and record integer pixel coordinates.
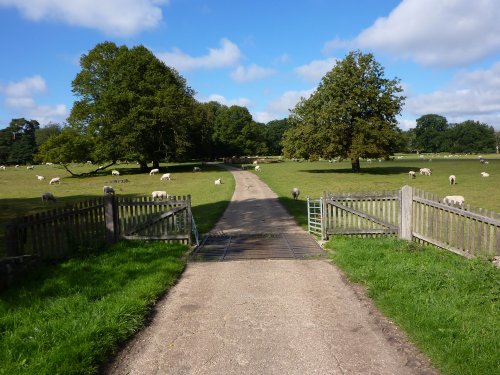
(49, 163)
(196, 169)
(48, 197)
(16, 166)
(159, 195)
(2, 167)
(154, 171)
(412, 174)
(114, 172)
(30, 167)
(166, 176)
(108, 190)
(485, 174)
(40, 178)
(257, 168)
(295, 193)
(454, 199)
(55, 180)
(218, 181)
(452, 179)
(425, 171)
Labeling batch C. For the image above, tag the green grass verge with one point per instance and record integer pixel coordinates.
(448, 305)
(69, 318)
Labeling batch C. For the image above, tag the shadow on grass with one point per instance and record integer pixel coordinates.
(373, 170)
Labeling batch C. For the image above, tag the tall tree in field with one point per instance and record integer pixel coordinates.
(471, 136)
(274, 135)
(352, 113)
(131, 103)
(23, 147)
(431, 133)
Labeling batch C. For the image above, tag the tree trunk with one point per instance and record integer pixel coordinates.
(156, 164)
(356, 168)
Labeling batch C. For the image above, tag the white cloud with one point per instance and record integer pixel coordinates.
(470, 96)
(434, 33)
(265, 117)
(19, 100)
(287, 101)
(242, 102)
(406, 124)
(250, 73)
(227, 55)
(316, 69)
(113, 17)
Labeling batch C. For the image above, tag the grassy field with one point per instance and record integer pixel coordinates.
(69, 318)
(20, 191)
(312, 178)
(448, 305)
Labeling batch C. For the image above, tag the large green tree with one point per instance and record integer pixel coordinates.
(130, 105)
(431, 133)
(471, 136)
(18, 142)
(274, 135)
(352, 113)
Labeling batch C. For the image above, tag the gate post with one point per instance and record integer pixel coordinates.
(406, 214)
(111, 218)
(324, 219)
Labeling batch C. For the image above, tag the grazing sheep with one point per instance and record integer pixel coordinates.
(55, 180)
(425, 171)
(114, 172)
(218, 181)
(17, 166)
(89, 162)
(166, 176)
(257, 168)
(49, 163)
(485, 174)
(40, 178)
(295, 193)
(108, 190)
(453, 179)
(48, 197)
(154, 171)
(159, 195)
(196, 169)
(255, 162)
(30, 167)
(412, 174)
(2, 167)
(454, 199)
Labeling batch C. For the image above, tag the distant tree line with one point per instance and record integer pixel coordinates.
(433, 133)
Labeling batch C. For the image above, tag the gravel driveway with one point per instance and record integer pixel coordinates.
(266, 316)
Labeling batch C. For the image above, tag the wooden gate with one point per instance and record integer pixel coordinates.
(361, 213)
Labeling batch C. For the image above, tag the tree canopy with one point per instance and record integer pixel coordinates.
(17, 141)
(352, 114)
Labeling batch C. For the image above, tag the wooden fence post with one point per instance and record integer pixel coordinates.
(189, 219)
(111, 218)
(12, 238)
(406, 222)
(324, 217)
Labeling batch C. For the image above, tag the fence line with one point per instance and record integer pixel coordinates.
(415, 215)
(60, 232)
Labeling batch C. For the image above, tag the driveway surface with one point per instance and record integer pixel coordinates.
(266, 316)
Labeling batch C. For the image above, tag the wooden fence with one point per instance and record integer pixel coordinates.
(413, 215)
(58, 233)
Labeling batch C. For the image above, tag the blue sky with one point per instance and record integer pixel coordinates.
(263, 55)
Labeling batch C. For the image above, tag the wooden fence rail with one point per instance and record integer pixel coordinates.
(59, 233)
(413, 215)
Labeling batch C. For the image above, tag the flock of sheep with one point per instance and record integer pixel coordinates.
(449, 199)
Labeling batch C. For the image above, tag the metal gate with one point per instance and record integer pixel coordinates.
(315, 217)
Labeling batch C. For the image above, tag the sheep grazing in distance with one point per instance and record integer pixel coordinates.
(295, 193)
(454, 199)
(485, 174)
(257, 168)
(154, 171)
(196, 169)
(114, 172)
(425, 171)
(40, 178)
(30, 167)
(2, 167)
(48, 197)
(49, 163)
(159, 195)
(218, 181)
(55, 180)
(17, 166)
(453, 179)
(412, 174)
(108, 190)
(166, 176)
